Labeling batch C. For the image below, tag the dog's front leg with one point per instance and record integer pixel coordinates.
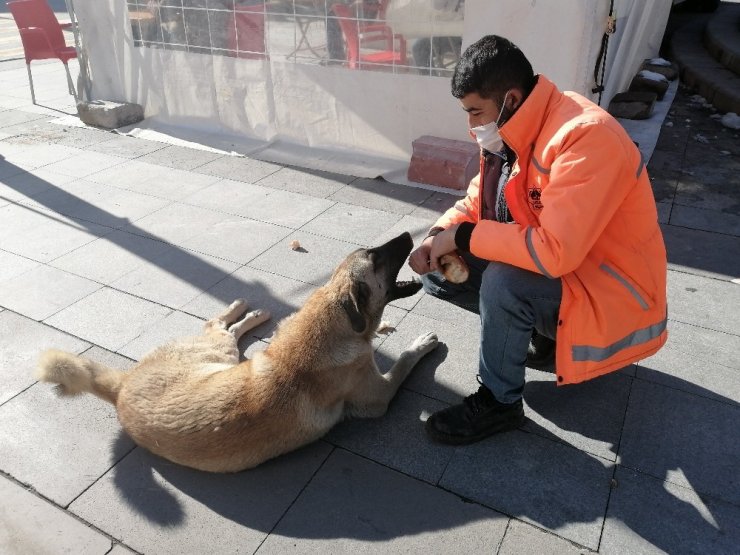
(373, 393)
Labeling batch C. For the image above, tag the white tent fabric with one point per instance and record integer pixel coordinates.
(337, 117)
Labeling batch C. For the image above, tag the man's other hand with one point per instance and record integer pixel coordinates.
(419, 259)
(442, 243)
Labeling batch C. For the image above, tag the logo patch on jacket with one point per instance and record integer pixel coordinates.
(535, 198)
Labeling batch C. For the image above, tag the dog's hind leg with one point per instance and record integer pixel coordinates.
(371, 396)
(250, 321)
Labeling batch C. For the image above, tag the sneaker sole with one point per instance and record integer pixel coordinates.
(505, 426)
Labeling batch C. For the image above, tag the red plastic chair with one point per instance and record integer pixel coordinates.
(247, 36)
(42, 37)
(355, 33)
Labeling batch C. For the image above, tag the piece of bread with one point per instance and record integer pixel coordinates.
(454, 268)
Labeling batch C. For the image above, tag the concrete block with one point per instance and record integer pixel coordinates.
(633, 105)
(669, 71)
(108, 114)
(444, 162)
(644, 81)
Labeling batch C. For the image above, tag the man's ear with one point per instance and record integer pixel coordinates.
(354, 305)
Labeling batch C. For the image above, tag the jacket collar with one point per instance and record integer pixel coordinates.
(522, 129)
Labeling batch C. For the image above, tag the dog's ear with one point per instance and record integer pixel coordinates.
(354, 305)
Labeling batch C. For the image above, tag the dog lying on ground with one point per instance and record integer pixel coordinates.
(194, 403)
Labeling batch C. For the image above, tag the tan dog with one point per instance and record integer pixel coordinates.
(193, 403)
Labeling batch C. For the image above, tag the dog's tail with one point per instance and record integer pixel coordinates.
(75, 375)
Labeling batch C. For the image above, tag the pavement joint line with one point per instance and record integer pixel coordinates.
(724, 401)
(503, 536)
(8, 400)
(298, 495)
(613, 483)
(713, 278)
(700, 229)
(691, 488)
(33, 491)
(101, 476)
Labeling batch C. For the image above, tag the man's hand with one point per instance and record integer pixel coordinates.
(442, 243)
(419, 259)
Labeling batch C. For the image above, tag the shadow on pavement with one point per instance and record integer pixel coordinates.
(154, 487)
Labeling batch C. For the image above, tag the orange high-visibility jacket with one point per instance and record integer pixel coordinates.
(584, 212)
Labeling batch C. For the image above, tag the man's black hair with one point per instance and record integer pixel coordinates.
(490, 67)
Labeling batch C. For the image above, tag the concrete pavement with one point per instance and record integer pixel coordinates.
(111, 245)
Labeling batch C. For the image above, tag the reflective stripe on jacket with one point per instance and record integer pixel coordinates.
(585, 212)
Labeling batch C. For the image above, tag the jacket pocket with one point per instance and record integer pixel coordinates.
(637, 292)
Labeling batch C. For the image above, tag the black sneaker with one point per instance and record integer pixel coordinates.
(477, 417)
(541, 353)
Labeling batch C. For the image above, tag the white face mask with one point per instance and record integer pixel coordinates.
(487, 135)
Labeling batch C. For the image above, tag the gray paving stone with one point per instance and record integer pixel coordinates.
(175, 325)
(314, 263)
(175, 278)
(126, 147)
(524, 539)
(108, 318)
(35, 156)
(447, 373)
(708, 220)
(100, 204)
(44, 291)
(279, 295)
(119, 549)
(13, 117)
(304, 181)
(397, 439)
(352, 223)
(109, 358)
(588, 416)
(259, 203)
(28, 185)
(122, 252)
(711, 189)
(705, 302)
(31, 526)
(354, 505)
(42, 236)
(697, 360)
(682, 438)
(703, 253)
(59, 445)
(216, 234)
(41, 132)
(382, 195)
(433, 207)
(8, 169)
(664, 212)
(151, 504)
(651, 516)
(150, 179)
(238, 168)
(21, 342)
(179, 157)
(539, 481)
(12, 265)
(85, 163)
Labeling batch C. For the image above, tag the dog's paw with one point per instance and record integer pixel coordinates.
(239, 305)
(425, 343)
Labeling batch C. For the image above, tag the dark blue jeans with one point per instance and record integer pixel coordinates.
(512, 303)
